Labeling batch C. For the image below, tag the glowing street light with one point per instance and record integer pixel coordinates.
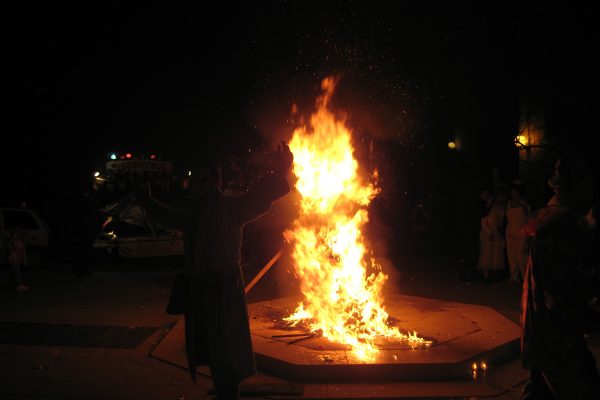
(522, 141)
(452, 145)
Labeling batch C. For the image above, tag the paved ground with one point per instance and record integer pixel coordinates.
(128, 295)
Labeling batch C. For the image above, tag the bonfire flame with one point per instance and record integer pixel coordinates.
(340, 280)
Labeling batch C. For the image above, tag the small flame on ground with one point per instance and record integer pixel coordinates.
(339, 277)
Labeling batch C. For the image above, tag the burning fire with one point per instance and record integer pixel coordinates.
(341, 282)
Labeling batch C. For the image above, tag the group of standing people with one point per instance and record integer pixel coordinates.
(553, 252)
(501, 237)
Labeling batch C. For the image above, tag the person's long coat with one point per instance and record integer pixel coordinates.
(217, 328)
(558, 287)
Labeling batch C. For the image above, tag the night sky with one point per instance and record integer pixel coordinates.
(183, 81)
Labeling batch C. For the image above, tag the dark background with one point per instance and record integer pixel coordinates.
(187, 81)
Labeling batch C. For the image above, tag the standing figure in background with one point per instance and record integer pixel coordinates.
(84, 228)
(517, 214)
(554, 182)
(491, 257)
(17, 257)
(484, 245)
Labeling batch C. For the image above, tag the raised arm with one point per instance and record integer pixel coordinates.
(271, 188)
(258, 202)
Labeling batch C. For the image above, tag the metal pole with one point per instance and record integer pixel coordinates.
(263, 271)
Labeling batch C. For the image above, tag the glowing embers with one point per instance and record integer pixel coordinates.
(300, 334)
(339, 278)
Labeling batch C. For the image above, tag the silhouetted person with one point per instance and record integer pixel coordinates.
(107, 193)
(491, 258)
(557, 293)
(216, 322)
(517, 214)
(16, 257)
(478, 244)
(83, 229)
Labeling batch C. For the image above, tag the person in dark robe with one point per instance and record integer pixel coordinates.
(217, 330)
(558, 292)
(84, 227)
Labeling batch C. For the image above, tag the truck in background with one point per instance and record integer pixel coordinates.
(126, 231)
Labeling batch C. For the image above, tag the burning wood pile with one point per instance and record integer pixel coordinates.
(339, 277)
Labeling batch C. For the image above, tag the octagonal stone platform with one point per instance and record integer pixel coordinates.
(462, 334)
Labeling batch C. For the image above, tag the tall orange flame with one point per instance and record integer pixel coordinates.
(341, 282)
